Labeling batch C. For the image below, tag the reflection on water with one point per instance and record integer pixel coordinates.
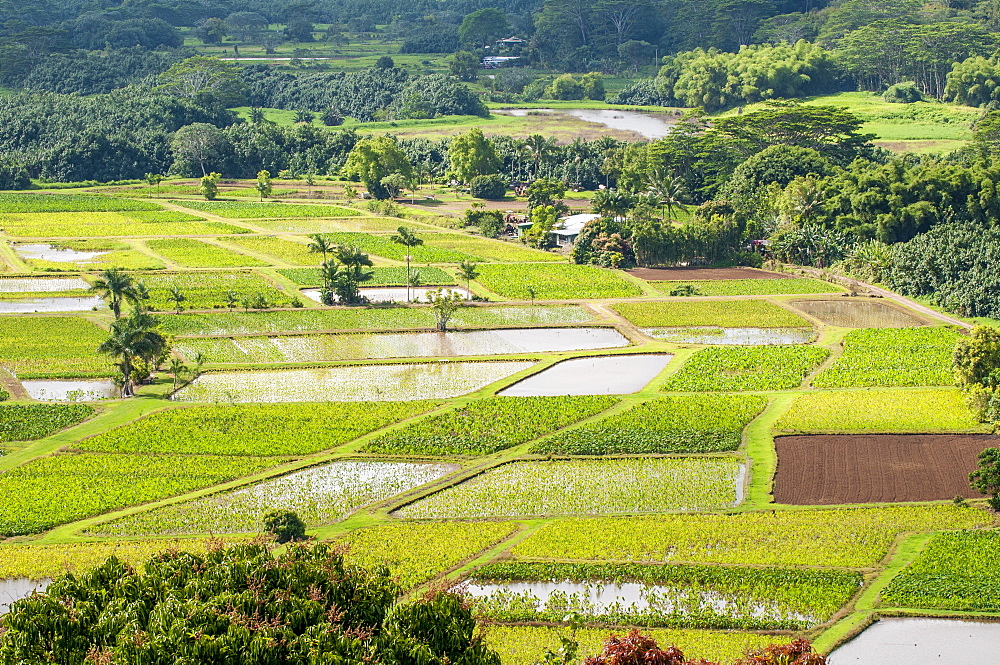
(393, 293)
(607, 375)
(648, 125)
(68, 304)
(906, 641)
(69, 391)
(732, 336)
(17, 588)
(378, 383)
(46, 252)
(41, 284)
(846, 313)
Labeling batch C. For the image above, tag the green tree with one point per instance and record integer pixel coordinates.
(285, 525)
(464, 65)
(472, 154)
(468, 270)
(373, 159)
(385, 62)
(483, 27)
(210, 186)
(347, 272)
(445, 303)
(175, 296)
(177, 371)
(154, 179)
(986, 479)
(205, 80)
(543, 220)
(394, 183)
(245, 605)
(546, 192)
(592, 85)
(564, 87)
(116, 286)
(264, 186)
(132, 339)
(198, 143)
(407, 239)
(976, 359)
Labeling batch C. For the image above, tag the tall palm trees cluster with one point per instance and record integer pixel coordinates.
(342, 272)
(134, 342)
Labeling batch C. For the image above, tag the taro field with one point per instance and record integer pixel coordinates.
(688, 495)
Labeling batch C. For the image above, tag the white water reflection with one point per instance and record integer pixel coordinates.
(12, 590)
(732, 336)
(64, 304)
(604, 375)
(69, 390)
(41, 284)
(46, 252)
(906, 641)
(648, 125)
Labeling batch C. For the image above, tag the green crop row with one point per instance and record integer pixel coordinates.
(256, 210)
(582, 487)
(37, 347)
(489, 425)
(751, 287)
(295, 253)
(209, 290)
(746, 368)
(381, 276)
(199, 254)
(63, 488)
(319, 495)
(104, 224)
(683, 424)
(384, 247)
(489, 250)
(32, 202)
(724, 313)
(555, 282)
(414, 552)
(257, 430)
(674, 595)
(956, 571)
(850, 538)
(893, 357)
(370, 318)
(22, 422)
(883, 410)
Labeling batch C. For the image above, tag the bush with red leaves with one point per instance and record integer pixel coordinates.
(638, 649)
(796, 652)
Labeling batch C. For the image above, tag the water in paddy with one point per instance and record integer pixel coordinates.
(314, 348)
(595, 598)
(906, 641)
(392, 293)
(379, 383)
(17, 588)
(846, 313)
(69, 390)
(732, 336)
(44, 252)
(65, 304)
(606, 375)
(41, 284)
(649, 125)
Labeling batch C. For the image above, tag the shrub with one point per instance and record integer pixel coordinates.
(492, 186)
(903, 93)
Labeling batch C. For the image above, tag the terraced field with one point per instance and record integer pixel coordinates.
(712, 493)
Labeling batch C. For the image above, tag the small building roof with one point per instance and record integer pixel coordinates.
(572, 225)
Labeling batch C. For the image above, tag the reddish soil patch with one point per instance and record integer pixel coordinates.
(880, 468)
(686, 274)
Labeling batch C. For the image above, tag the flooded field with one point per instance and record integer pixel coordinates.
(20, 587)
(69, 390)
(380, 383)
(605, 375)
(45, 252)
(58, 304)
(846, 313)
(41, 284)
(905, 641)
(649, 125)
(309, 348)
(393, 293)
(732, 336)
(320, 495)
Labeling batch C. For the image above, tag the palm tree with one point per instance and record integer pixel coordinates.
(131, 339)
(350, 273)
(539, 147)
(115, 286)
(175, 296)
(467, 271)
(177, 368)
(321, 245)
(408, 239)
(232, 299)
(668, 188)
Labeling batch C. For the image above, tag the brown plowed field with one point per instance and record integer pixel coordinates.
(666, 274)
(880, 468)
